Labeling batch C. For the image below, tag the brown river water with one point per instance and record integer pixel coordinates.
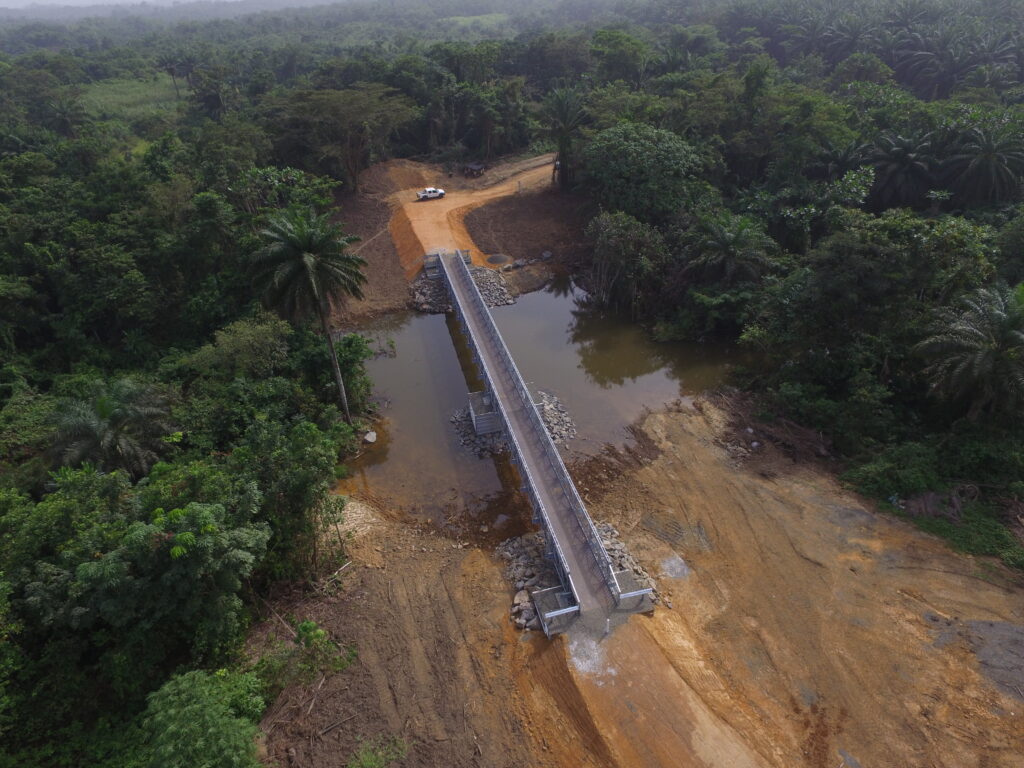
(605, 370)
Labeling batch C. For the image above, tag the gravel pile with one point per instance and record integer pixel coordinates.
(431, 296)
(527, 569)
(621, 558)
(556, 419)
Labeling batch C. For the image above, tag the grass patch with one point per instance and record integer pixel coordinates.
(978, 532)
(132, 101)
(378, 753)
(486, 22)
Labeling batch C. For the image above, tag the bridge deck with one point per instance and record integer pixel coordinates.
(561, 510)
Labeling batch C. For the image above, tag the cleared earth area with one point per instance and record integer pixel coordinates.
(800, 627)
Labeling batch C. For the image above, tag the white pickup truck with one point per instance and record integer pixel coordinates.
(429, 193)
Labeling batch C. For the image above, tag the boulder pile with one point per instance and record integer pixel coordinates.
(492, 287)
(527, 570)
(556, 419)
(431, 296)
(482, 445)
(621, 558)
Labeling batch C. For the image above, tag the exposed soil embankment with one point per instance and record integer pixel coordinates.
(369, 218)
(802, 619)
(435, 662)
(525, 226)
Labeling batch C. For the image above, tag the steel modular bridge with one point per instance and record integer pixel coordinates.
(590, 588)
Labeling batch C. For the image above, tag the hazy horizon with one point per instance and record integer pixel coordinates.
(22, 4)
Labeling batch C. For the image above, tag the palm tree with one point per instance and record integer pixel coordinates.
(168, 64)
(565, 112)
(729, 248)
(988, 165)
(118, 427)
(305, 269)
(906, 15)
(807, 36)
(903, 168)
(937, 61)
(64, 114)
(976, 352)
(851, 33)
(838, 159)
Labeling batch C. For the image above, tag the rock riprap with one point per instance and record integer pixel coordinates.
(556, 419)
(431, 296)
(490, 444)
(527, 570)
(622, 559)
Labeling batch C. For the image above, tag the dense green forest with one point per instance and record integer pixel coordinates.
(837, 185)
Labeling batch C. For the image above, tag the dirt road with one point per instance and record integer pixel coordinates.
(396, 230)
(421, 227)
(801, 628)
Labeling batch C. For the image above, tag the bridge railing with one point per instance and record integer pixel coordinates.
(543, 437)
(466, 279)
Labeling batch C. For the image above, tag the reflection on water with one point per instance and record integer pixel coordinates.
(605, 370)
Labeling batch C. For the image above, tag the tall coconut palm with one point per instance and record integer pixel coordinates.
(305, 269)
(975, 352)
(118, 427)
(903, 168)
(564, 111)
(729, 249)
(988, 165)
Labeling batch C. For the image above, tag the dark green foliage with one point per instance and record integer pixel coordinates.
(643, 171)
(975, 352)
(109, 597)
(120, 426)
(901, 471)
(978, 532)
(627, 255)
(202, 719)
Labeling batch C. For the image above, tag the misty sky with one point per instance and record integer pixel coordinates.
(86, 3)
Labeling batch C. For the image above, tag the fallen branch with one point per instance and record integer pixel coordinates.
(315, 694)
(335, 575)
(335, 724)
(278, 617)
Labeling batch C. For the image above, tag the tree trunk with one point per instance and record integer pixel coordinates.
(334, 364)
(564, 178)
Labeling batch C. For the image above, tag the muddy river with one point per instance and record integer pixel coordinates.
(605, 371)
